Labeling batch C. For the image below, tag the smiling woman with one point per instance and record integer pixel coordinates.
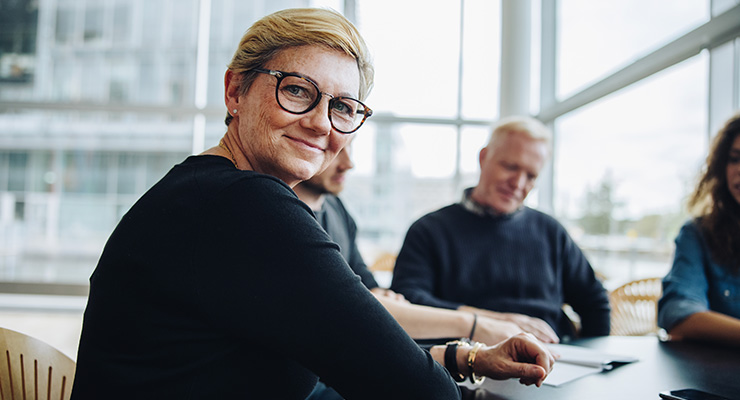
(220, 276)
(291, 146)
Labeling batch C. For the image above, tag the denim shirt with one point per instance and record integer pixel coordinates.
(695, 283)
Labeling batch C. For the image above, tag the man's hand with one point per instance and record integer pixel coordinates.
(387, 293)
(537, 327)
(492, 331)
(521, 356)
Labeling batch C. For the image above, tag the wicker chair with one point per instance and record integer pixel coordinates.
(384, 262)
(31, 369)
(635, 307)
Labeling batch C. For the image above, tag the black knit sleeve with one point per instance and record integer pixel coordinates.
(415, 273)
(583, 291)
(290, 289)
(341, 223)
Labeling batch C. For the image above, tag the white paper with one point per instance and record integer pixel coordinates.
(574, 362)
(564, 372)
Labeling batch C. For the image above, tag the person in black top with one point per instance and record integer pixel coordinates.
(220, 283)
(491, 255)
(420, 322)
(426, 324)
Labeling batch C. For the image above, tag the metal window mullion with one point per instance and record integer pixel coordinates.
(457, 177)
(548, 88)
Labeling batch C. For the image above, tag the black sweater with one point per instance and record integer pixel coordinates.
(524, 263)
(342, 229)
(220, 284)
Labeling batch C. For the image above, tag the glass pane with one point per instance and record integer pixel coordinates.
(597, 38)
(89, 80)
(624, 166)
(94, 19)
(474, 138)
(120, 78)
(122, 23)
(4, 170)
(179, 87)
(184, 24)
(129, 176)
(426, 150)
(402, 171)
(65, 22)
(416, 49)
(17, 169)
(41, 177)
(18, 25)
(364, 150)
(64, 76)
(150, 77)
(152, 12)
(85, 172)
(481, 52)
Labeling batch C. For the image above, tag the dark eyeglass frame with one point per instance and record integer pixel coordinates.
(280, 75)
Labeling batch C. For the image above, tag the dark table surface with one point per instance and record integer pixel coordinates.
(661, 367)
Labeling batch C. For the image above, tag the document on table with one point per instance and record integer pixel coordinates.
(576, 362)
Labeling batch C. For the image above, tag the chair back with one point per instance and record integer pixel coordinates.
(635, 307)
(384, 262)
(33, 370)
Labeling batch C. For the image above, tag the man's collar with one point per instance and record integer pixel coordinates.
(478, 209)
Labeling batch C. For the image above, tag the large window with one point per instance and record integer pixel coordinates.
(436, 90)
(624, 166)
(98, 99)
(632, 121)
(599, 38)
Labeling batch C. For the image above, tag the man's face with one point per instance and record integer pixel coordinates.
(509, 170)
(332, 179)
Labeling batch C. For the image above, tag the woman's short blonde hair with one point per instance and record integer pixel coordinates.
(299, 27)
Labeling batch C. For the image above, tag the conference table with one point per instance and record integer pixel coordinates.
(662, 366)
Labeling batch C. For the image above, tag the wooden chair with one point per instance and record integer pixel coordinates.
(384, 262)
(635, 307)
(32, 370)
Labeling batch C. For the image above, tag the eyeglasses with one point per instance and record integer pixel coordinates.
(297, 94)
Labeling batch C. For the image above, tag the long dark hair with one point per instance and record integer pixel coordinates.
(712, 202)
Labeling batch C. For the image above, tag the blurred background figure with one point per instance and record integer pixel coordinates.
(420, 322)
(492, 255)
(701, 293)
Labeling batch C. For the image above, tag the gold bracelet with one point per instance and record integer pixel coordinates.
(471, 364)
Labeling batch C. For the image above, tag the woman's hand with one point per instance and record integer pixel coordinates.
(521, 356)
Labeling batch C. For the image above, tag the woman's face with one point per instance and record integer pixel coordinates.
(295, 147)
(733, 169)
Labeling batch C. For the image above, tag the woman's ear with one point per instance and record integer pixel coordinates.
(232, 84)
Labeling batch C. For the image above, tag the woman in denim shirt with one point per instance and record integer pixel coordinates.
(701, 293)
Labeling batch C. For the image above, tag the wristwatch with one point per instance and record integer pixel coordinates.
(451, 359)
